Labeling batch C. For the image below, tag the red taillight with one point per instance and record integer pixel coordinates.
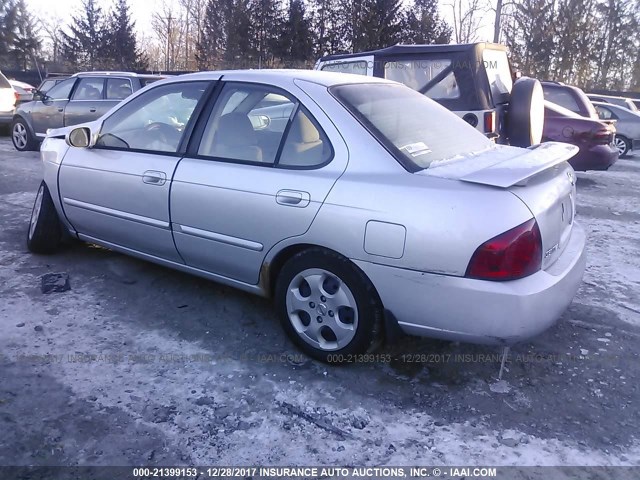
(602, 137)
(16, 97)
(489, 122)
(511, 255)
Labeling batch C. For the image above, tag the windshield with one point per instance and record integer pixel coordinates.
(496, 64)
(414, 128)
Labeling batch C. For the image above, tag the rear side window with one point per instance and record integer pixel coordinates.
(89, 89)
(562, 98)
(357, 68)
(118, 88)
(415, 129)
(4, 83)
(418, 75)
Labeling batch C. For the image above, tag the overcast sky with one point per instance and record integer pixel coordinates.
(142, 9)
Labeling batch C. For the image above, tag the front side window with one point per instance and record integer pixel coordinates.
(153, 121)
(358, 68)
(415, 129)
(62, 90)
(118, 88)
(89, 89)
(419, 75)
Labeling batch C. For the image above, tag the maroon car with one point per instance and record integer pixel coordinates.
(594, 138)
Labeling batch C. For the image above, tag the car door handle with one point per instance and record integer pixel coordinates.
(92, 110)
(60, 109)
(293, 198)
(152, 177)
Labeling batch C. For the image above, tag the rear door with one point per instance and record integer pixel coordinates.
(88, 101)
(250, 180)
(49, 113)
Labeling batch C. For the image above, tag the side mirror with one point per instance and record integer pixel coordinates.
(79, 137)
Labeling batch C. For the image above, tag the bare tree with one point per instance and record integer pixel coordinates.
(467, 19)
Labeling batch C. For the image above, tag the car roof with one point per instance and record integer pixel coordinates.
(316, 76)
(614, 97)
(416, 49)
(612, 105)
(116, 74)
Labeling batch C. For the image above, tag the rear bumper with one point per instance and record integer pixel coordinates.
(598, 157)
(478, 311)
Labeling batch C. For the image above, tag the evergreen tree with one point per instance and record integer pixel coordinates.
(381, 24)
(8, 14)
(296, 39)
(120, 40)
(423, 25)
(266, 19)
(329, 27)
(84, 48)
(26, 43)
(210, 49)
(240, 51)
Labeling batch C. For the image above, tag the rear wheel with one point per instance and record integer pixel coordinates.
(21, 136)
(327, 306)
(44, 233)
(622, 144)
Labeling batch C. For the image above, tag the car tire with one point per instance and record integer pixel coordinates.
(22, 138)
(328, 307)
(622, 144)
(44, 234)
(525, 114)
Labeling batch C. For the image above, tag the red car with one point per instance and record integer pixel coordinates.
(594, 138)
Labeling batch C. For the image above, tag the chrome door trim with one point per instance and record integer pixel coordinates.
(218, 237)
(116, 213)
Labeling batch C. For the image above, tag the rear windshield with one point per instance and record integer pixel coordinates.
(4, 83)
(414, 128)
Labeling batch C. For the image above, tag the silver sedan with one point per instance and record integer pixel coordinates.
(357, 204)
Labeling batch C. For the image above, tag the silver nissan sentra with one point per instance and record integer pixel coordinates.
(357, 204)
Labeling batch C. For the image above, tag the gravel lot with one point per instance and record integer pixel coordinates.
(138, 364)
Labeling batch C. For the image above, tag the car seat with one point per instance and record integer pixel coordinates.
(303, 146)
(235, 138)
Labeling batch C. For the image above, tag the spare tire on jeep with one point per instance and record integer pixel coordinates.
(525, 114)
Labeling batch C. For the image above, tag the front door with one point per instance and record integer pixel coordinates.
(118, 192)
(259, 173)
(49, 112)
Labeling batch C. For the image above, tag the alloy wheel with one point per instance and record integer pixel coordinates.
(20, 135)
(322, 309)
(620, 145)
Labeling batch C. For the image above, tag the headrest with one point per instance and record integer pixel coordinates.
(235, 129)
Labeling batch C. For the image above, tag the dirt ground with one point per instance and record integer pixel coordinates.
(141, 365)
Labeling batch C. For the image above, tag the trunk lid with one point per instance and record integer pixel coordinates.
(539, 176)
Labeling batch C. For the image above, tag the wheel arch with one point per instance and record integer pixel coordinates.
(21, 116)
(274, 262)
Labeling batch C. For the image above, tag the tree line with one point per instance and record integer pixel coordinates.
(590, 43)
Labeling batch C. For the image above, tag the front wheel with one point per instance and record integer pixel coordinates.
(622, 145)
(44, 233)
(21, 136)
(327, 306)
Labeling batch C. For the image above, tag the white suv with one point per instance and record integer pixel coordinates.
(8, 97)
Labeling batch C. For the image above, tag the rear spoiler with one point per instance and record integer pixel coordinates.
(503, 166)
(519, 169)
